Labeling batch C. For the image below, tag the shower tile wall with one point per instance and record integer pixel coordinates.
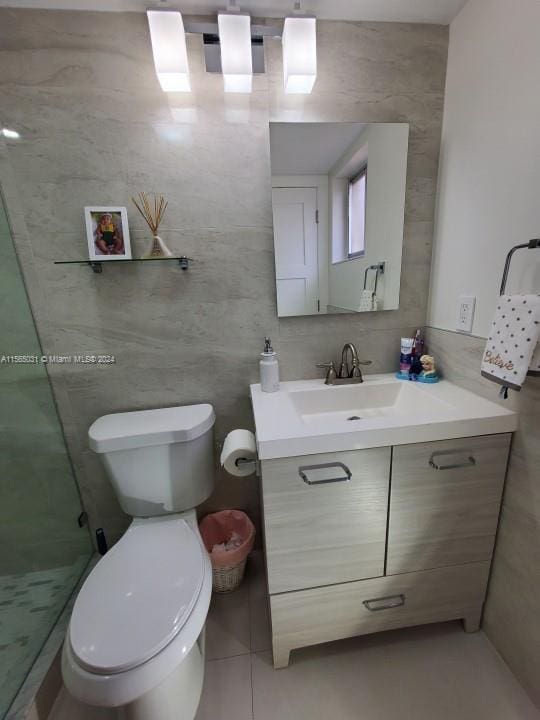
(96, 128)
(43, 550)
(40, 502)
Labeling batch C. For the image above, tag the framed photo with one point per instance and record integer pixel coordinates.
(107, 233)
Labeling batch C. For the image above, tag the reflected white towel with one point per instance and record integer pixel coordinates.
(512, 340)
(368, 301)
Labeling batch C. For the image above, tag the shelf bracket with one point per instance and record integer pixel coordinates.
(97, 267)
(184, 262)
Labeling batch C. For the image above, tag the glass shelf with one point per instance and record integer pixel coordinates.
(97, 265)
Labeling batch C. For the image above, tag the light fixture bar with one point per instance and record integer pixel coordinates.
(299, 54)
(211, 28)
(235, 44)
(169, 48)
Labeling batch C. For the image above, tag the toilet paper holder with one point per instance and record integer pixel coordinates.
(253, 463)
(239, 453)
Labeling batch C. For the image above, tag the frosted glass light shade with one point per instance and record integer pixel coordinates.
(299, 54)
(235, 44)
(13, 134)
(169, 48)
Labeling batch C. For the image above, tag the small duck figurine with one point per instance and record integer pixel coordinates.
(428, 374)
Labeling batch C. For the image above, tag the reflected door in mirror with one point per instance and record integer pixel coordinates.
(296, 247)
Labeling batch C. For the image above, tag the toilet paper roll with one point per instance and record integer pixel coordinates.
(239, 444)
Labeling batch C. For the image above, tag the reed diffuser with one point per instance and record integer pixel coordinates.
(152, 212)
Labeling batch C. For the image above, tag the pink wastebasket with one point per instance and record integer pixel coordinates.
(228, 565)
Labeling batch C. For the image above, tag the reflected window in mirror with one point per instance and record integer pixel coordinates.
(357, 214)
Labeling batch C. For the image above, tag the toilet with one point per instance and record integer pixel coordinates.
(136, 636)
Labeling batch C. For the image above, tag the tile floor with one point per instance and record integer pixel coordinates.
(30, 604)
(435, 672)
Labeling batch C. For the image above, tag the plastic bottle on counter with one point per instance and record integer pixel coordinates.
(417, 352)
(269, 368)
(405, 358)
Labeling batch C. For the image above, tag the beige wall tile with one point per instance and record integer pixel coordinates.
(96, 128)
(513, 604)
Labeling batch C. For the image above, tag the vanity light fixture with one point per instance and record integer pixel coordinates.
(169, 48)
(299, 53)
(235, 44)
(12, 134)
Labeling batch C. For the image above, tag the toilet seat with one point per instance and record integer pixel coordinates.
(139, 612)
(138, 597)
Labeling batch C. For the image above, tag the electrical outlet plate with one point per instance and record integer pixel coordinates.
(466, 306)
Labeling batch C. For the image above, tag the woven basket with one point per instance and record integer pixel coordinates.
(227, 579)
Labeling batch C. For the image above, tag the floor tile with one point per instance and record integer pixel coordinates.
(227, 625)
(227, 690)
(67, 708)
(261, 638)
(226, 695)
(430, 673)
(32, 714)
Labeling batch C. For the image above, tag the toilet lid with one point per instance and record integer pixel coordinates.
(138, 596)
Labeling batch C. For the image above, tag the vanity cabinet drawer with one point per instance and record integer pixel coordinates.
(325, 517)
(319, 615)
(444, 502)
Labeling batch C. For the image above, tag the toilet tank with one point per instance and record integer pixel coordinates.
(159, 461)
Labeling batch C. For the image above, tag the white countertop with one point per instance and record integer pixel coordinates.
(307, 417)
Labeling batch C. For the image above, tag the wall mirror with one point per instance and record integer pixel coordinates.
(338, 199)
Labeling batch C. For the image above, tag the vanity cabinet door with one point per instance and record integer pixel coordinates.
(444, 502)
(325, 518)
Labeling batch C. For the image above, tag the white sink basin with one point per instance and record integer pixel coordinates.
(307, 416)
(351, 403)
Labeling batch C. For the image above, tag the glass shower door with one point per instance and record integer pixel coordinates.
(43, 551)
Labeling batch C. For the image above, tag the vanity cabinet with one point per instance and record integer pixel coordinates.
(369, 540)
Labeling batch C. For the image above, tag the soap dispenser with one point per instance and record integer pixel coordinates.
(269, 368)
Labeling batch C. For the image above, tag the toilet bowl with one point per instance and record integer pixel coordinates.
(135, 640)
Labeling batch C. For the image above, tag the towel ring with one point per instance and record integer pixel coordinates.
(531, 245)
(379, 268)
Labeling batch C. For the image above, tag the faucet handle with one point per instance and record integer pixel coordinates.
(331, 373)
(356, 372)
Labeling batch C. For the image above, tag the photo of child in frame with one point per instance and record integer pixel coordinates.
(108, 237)
(107, 233)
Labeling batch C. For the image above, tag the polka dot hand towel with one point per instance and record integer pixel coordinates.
(511, 349)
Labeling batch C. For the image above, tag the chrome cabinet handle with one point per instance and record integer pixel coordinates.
(303, 472)
(385, 603)
(469, 461)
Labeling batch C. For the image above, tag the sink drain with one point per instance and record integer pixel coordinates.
(354, 417)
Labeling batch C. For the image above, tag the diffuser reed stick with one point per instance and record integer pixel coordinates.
(152, 211)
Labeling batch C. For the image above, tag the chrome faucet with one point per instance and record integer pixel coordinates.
(346, 376)
(344, 369)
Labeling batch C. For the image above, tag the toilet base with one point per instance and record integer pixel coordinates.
(177, 697)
